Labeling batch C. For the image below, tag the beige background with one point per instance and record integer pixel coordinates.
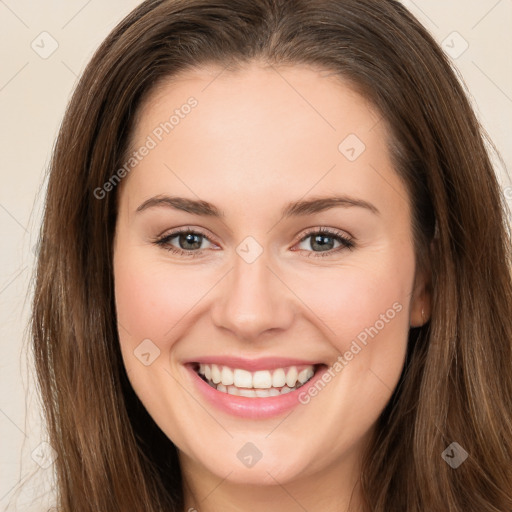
(33, 94)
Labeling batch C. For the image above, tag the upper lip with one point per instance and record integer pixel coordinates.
(262, 363)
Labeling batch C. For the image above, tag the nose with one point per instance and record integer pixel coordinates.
(253, 300)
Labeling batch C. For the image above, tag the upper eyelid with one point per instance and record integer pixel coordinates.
(179, 231)
(328, 231)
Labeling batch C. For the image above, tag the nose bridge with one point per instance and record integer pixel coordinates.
(253, 299)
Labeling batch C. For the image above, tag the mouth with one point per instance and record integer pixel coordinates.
(256, 384)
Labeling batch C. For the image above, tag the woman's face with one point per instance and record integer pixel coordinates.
(251, 165)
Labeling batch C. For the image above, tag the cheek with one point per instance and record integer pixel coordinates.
(361, 298)
(150, 300)
(364, 313)
(152, 303)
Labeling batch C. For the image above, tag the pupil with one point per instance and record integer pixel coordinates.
(189, 239)
(320, 241)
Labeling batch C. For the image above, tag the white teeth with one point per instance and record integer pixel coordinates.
(242, 378)
(261, 383)
(262, 393)
(233, 390)
(291, 376)
(227, 376)
(215, 374)
(262, 380)
(251, 393)
(305, 375)
(278, 378)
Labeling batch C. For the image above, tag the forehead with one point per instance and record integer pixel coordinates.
(260, 128)
(317, 96)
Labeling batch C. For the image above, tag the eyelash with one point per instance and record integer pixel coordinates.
(346, 243)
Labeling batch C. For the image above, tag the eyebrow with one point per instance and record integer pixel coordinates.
(293, 209)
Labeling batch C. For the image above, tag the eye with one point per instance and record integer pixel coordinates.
(323, 242)
(186, 242)
(189, 242)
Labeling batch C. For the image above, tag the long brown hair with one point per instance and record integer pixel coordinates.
(456, 385)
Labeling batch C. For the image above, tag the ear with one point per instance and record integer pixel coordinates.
(421, 305)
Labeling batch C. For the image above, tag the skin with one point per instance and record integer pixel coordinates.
(259, 138)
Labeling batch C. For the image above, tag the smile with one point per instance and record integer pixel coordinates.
(257, 384)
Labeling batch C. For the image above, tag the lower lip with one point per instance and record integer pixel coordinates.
(253, 408)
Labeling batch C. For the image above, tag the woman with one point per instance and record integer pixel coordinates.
(195, 350)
